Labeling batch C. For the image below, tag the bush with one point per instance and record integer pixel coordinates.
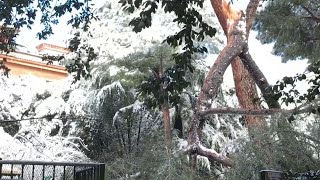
(287, 148)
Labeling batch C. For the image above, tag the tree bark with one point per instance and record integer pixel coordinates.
(247, 93)
(234, 27)
(249, 112)
(165, 110)
(259, 78)
(166, 123)
(209, 90)
(244, 85)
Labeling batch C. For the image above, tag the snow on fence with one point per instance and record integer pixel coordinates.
(39, 170)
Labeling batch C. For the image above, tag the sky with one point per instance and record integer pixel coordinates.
(62, 32)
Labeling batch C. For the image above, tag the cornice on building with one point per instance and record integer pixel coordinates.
(20, 67)
(46, 46)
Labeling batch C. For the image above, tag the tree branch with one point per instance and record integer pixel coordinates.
(250, 14)
(212, 83)
(305, 108)
(215, 75)
(245, 86)
(259, 78)
(240, 111)
(211, 154)
(226, 14)
(313, 16)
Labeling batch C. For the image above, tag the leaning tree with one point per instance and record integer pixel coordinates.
(236, 25)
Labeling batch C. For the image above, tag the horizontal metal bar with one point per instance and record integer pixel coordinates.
(84, 170)
(48, 163)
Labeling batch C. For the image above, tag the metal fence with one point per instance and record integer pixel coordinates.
(280, 175)
(39, 170)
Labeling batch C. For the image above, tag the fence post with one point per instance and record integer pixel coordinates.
(102, 171)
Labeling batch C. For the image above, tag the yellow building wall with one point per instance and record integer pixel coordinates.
(20, 67)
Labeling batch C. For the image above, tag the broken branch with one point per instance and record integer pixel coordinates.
(198, 149)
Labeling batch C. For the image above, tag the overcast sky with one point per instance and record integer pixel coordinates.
(61, 32)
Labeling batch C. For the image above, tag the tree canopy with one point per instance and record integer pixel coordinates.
(293, 26)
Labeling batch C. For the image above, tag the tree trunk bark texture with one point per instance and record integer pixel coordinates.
(244, 85)
(235, 27)
(165, 110)
(166, 123)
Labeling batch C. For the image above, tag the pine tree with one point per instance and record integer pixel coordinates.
(236, 26)
(294, 28)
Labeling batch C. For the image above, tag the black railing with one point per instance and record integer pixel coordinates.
(39, 170)
(282, 175)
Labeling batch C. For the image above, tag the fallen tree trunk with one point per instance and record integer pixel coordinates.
(236, 30)
(245, 87)
(210, 88)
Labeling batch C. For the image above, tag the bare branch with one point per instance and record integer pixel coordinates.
(313, 16)
(304, 108)
(259, 78)
(214, 79)
(250, 112)
(213, 155)
(198, 149)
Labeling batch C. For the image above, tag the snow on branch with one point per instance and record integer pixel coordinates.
(240, 111)
(305, 108)
(211, 154)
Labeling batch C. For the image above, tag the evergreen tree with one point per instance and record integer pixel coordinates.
(167, 84)
(294, 28)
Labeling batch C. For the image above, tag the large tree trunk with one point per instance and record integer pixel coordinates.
(245, 87)
(235, 28)
(247, 93)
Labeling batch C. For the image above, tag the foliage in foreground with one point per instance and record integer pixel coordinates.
(288, 149)
(153, 162)
(293, 26)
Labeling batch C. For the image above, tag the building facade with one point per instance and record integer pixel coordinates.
(26, 63)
